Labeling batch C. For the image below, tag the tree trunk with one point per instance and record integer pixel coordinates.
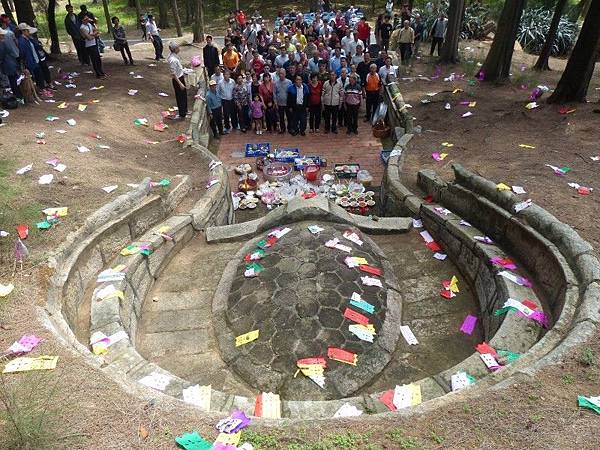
(542, 62)
(199, 23)
(456, 12)
(107, 15)
(24, 11)
(237, 5)
(497, 64)
(176, 17)
(51, 17)
(575, 80)
(187, 13)
(163, 14)
(138, 12)
(8, 10)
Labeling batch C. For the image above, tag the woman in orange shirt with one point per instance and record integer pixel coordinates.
(231, 58)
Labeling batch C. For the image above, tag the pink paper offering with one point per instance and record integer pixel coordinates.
(503, 262)
(25, 344)
(541, 318)
(469, 324)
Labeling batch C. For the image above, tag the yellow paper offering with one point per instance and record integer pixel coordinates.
(472, 104)
(59, 212)
(416, 394)
(454, 284)
(447, 144)
(26, 364)
(229, 439)
(63, 105)
(456, 91)
(82, 107)
(369, 328)
(246, 338)
(526, 146)
(502, 187)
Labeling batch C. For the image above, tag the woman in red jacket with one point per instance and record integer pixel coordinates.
(364, 32)
(315, 89)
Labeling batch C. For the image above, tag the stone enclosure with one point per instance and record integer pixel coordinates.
(185, 302)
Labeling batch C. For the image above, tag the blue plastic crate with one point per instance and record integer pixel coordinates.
(261, 149)
(287, 155)
(303, 161)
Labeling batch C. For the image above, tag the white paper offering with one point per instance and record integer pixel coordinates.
(156, 381)
(408, 335)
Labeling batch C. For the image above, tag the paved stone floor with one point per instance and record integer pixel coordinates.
(298, 304)
(363, 148)
(177, 332)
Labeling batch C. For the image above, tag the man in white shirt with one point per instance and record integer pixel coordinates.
(346, 42)
(178, 79)
(359, 56)
(90, 35)
(350, 42)
(152, 31)
(387, 69)
(217, 77)
(225, 93)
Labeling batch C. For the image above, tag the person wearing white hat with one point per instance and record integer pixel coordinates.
(29, 54)
(213, 103)
(178, 79)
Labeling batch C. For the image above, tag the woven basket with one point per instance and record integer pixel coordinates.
(381, 133)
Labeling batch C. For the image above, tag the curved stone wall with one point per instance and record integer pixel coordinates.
(130, 218)
(563, 267)
(564, 271)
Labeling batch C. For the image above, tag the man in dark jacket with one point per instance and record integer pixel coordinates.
(28, 52)
(72, 25)
(210, 53)
(297, 103)
(8, 62)
(84, 12)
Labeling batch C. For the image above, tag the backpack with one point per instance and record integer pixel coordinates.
(9, 102)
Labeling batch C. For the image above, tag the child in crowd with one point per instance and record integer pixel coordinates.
(271, 117)
(257, 107)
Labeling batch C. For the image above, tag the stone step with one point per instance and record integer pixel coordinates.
(186, 342)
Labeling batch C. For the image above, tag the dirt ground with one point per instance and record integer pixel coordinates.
(488, 141)
(88, 410)
(129, 159)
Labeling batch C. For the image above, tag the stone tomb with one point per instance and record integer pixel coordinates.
(298, 304)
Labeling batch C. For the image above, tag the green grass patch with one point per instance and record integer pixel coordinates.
(15, 208)
(586, 357)
(260, 441)
(399, 437)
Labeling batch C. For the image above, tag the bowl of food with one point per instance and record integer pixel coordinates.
(277, 172)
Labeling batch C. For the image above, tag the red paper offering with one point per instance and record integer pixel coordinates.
(352, 315)
(341, 355)
(371, 270)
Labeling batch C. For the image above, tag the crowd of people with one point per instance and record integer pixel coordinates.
(309, 70)
(22, 54)
(304, 73)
